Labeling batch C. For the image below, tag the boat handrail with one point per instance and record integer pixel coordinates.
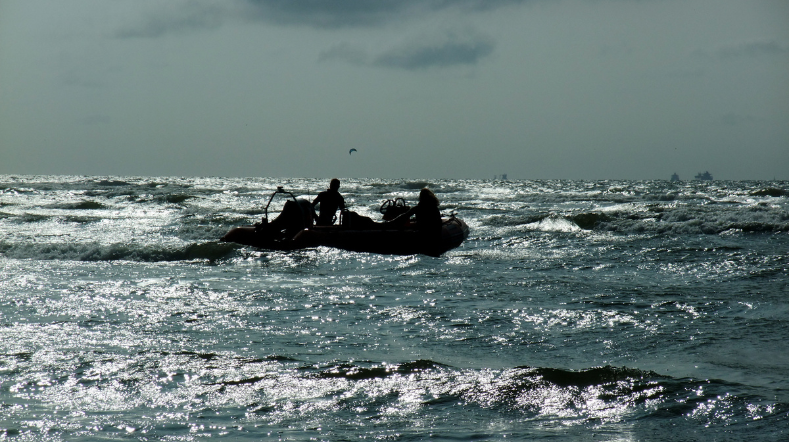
(280, 189)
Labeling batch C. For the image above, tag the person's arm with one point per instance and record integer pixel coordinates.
(403, 218)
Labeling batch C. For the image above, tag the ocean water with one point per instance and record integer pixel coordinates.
(576, 310)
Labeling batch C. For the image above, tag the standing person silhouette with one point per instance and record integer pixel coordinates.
(330, 200)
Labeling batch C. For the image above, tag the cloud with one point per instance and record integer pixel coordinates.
(192, 15)
(352, 13)
(95, 119)
(345, 52)
(189, 16)
(448, 49)
(331, 14)
(731, 119)
(747, 50)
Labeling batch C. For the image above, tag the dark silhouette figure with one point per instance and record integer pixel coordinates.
(330, 200)
(426, 215)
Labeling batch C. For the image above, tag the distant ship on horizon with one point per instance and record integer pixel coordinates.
(704, 176)
(674, 177)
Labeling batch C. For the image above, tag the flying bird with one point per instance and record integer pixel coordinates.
(351, 151)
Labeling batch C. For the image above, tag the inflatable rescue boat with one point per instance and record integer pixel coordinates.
(294, 229)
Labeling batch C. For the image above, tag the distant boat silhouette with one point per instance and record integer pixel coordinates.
(674, 177)
(704, 176)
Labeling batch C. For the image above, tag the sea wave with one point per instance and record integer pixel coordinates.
(80, 205)
(125, 317)
(206, 251)
(628, 222)
(280, 390)
(706, 220)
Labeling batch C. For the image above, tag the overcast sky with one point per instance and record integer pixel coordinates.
(536, 89)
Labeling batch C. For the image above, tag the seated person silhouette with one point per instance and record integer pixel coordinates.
(426, 214)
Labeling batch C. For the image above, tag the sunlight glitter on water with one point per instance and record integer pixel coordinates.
(149, 328)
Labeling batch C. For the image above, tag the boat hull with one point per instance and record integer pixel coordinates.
(252, 236)
(379, 240)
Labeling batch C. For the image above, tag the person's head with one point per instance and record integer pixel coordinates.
(334, 184)
(426, 196)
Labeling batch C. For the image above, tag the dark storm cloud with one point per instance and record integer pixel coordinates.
(347, 13)
(443, 50)
(453, 50)
(327, 14)
(330, 14)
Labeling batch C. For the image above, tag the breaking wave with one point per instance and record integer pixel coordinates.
(208, 251)
(699, 220)
(656, 219)
(280, 389)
